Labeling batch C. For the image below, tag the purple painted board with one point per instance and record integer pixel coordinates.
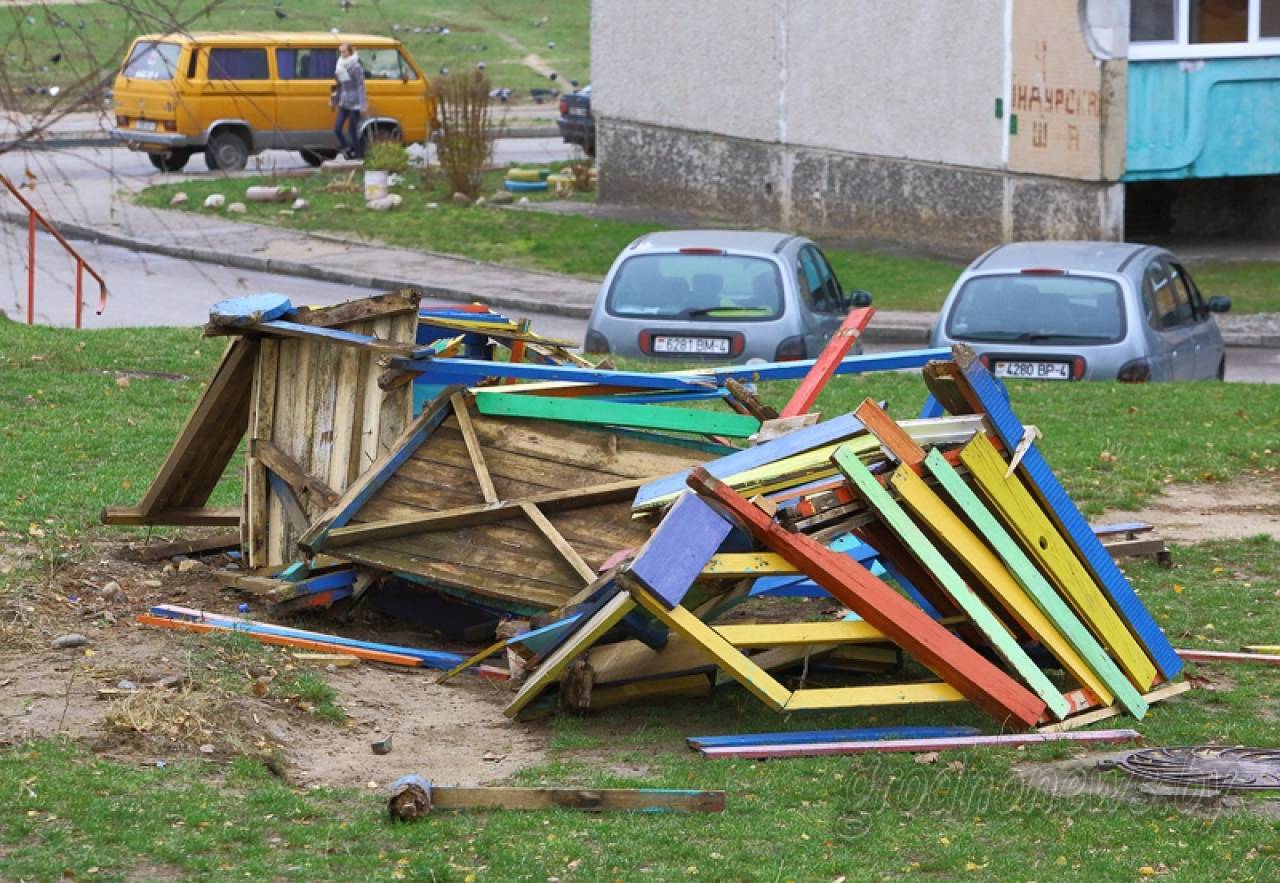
(1007, 740)
(678, 550)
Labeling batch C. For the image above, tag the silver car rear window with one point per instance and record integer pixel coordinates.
(701, 287)
(1038, 308)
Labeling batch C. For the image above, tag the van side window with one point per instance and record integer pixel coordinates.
(192, 61)
(306, 64)
(385, 64)
(238, 64)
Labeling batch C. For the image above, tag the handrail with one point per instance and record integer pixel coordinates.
(33, 215)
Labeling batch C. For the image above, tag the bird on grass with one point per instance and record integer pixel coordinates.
(280, 14)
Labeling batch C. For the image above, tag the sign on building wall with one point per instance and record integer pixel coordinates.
(1066, 104)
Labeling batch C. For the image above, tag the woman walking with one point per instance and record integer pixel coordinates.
(350, 100)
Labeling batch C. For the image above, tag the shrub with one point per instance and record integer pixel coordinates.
(466, 136)
(386, 156)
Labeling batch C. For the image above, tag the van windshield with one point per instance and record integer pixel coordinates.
(152, 61)
(696, 286)
(1033, 308)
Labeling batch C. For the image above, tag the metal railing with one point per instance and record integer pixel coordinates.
(33, 218)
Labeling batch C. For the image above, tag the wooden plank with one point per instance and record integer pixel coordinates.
(554, 537)
(782, 634)
(133, 517)
(682, 545)
(346, 383)
(735, 565)
(472, 661)
(1226, 656)
(261, 421)
(895, 439)
(218, 542)
(465, 516)
(749, 400)
(470, 371)
(396, 409)
(928, 555)
(861, 734)
(824, 367)
(1034, 582)
(359, 492)
(590, 800)
(905, 624)
(796, 370)
(1262, 648)
(1020, 512)
(585, 635)
(1014, 740)
(946, 527)
(463, 416)
(758, 681)
(604, 413)
(303, 484)
(391, 303)
(690, 685)
(815, 699)
(249, 310)
(1101, 714)
(284, 328)
(1045, 485)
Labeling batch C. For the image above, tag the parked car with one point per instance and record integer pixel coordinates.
(232, 95)
(719, 294)
(1084, 311)
(576, 124)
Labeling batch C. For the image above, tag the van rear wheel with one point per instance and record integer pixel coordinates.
(227, 152)
(317, 157)
(170, 161)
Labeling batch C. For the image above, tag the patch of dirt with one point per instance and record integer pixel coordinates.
(178, 702)
(1193, 513)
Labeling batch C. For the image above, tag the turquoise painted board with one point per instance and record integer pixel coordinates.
(1203, 119)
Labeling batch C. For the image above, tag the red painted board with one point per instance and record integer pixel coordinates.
(825, 365)
(818, 749)
(901, 621)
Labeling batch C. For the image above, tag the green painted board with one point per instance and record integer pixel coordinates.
(985, 621)
(1036, 585)
(595, 411)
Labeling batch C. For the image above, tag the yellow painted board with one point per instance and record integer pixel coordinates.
(1263, 648)
(880, 694)
(730, 565)
(1028, 522)
(948, 528)
(809, 465)
(790, 633)
(725, 655)
(554, 665)
(685, 685)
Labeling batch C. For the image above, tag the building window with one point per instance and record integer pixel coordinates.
(1203, 28)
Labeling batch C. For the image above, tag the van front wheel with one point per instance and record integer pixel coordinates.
(171, 161)
(226, 152)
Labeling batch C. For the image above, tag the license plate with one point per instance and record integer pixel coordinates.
(577, 111)
(145, 125)
(696, 346)
(1034, 370)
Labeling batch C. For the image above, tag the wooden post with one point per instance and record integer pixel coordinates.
(825, 366)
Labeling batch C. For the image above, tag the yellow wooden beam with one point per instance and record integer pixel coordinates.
(791, 633)
(946, 527)
(735, 565)
(1028, 522)
(886, 694)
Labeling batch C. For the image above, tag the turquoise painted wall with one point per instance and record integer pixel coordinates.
(1215, 119)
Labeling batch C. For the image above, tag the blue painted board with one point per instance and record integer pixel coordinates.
(796, 442)
(249, 310)
(333, 335)
(809, 736)
(684, 542)
(852, 365)
(931, 408)
(469, 371)
(1045, 485)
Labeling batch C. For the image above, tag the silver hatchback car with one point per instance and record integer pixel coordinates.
(719, 294)
(1084, 311)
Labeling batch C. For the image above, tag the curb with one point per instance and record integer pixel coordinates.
(898, 333)
(97, 140)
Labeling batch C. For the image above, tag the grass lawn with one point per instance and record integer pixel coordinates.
(92, 38)
(78, 438)
(587, 246)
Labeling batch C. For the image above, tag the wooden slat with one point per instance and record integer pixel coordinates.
(1101, 714)
(673, 558)
(1226, 656)
(204, 545)
(908, 626)
(304, 485)
(1019, 511)
(462, 414)
(389, 304)
(894, 438)
(553, 536)
(134, 517)
(801, 401)
(1031, 579)
(590, 800)
(604, 413)
(816, 699)
(261, 421)
(782, 634)
(1015, 740)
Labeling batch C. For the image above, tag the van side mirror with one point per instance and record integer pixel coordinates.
(1219, 304)
(859, 298)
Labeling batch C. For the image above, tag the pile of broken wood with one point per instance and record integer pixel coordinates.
(607, 534)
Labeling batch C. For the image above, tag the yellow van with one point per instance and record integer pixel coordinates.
(232, 95)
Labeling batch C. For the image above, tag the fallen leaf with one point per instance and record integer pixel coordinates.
(927, 757)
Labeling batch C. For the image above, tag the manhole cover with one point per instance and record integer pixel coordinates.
(1206, 766)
